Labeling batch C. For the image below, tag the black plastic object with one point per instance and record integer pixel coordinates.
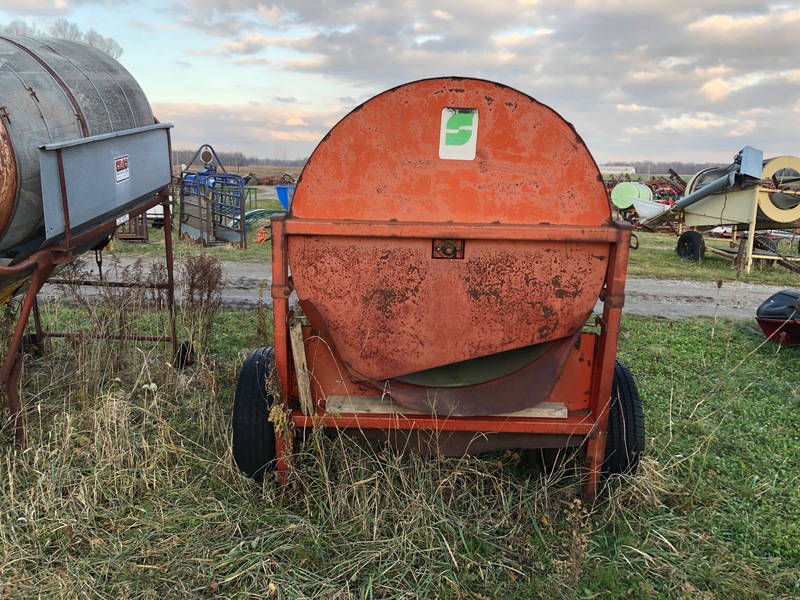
(783, 306)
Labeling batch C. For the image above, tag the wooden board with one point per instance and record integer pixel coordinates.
(301, 369)
(386, 406)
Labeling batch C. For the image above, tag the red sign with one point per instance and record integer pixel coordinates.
(121, 168)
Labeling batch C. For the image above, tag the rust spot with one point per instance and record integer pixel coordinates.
(8, 178)
(571, 289)
(483, 160)
(549, 322)
(385, 300)
(483, 291)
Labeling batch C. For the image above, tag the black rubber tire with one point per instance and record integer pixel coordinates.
(765, 243)
(32, 344)
(625, 441)
(253, 433)
(691, 246)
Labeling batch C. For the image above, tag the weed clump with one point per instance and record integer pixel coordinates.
(203, 282)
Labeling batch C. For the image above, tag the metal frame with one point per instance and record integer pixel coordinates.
(219, 211)
(134, 230)
(41, 265)
(587, 422)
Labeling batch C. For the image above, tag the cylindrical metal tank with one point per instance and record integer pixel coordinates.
(624, 192)
(53, 91)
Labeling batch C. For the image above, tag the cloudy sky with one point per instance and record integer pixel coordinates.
(686, 80)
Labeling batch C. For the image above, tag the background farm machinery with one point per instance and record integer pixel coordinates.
(80, 154)
(751, 195)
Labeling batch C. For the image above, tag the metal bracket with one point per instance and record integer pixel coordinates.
(448, 249)
(281, 291)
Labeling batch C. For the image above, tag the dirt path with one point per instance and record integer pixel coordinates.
(676, 299)
(671, 299)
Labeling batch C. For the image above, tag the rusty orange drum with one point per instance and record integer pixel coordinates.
(431, 218)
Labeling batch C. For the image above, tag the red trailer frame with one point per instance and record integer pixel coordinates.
(592, 361)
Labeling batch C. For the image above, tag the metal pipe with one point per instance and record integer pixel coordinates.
(113, 284)
(717, 185)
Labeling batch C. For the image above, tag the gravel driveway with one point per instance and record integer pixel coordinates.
(671, 299)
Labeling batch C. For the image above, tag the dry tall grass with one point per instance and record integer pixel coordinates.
(127, 489)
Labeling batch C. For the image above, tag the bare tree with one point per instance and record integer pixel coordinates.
(280, 154)
(19, 27)
(66, 30)
(106, 44)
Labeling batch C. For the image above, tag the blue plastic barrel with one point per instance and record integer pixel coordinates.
(285, 194)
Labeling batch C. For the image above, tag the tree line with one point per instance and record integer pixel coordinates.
(238, 159)
(235, 159)
(643, 167)
(65, 30)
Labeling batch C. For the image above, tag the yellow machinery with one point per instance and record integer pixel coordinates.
(751, 194)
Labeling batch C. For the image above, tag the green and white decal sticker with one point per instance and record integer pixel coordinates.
(458, 137)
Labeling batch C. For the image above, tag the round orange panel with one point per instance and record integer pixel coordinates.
(446, 151)
(382, 162)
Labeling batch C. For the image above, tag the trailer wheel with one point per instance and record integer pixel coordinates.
(253, 434)
(784, 245)
(185, 355)
(763, 242)
(625, 441)
(691, 246)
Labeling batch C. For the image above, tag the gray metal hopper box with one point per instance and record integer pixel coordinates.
(94, 179)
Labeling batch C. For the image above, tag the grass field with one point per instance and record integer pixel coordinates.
(127, 488)
(656, 257)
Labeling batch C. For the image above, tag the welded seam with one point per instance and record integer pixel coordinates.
(36, 103)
